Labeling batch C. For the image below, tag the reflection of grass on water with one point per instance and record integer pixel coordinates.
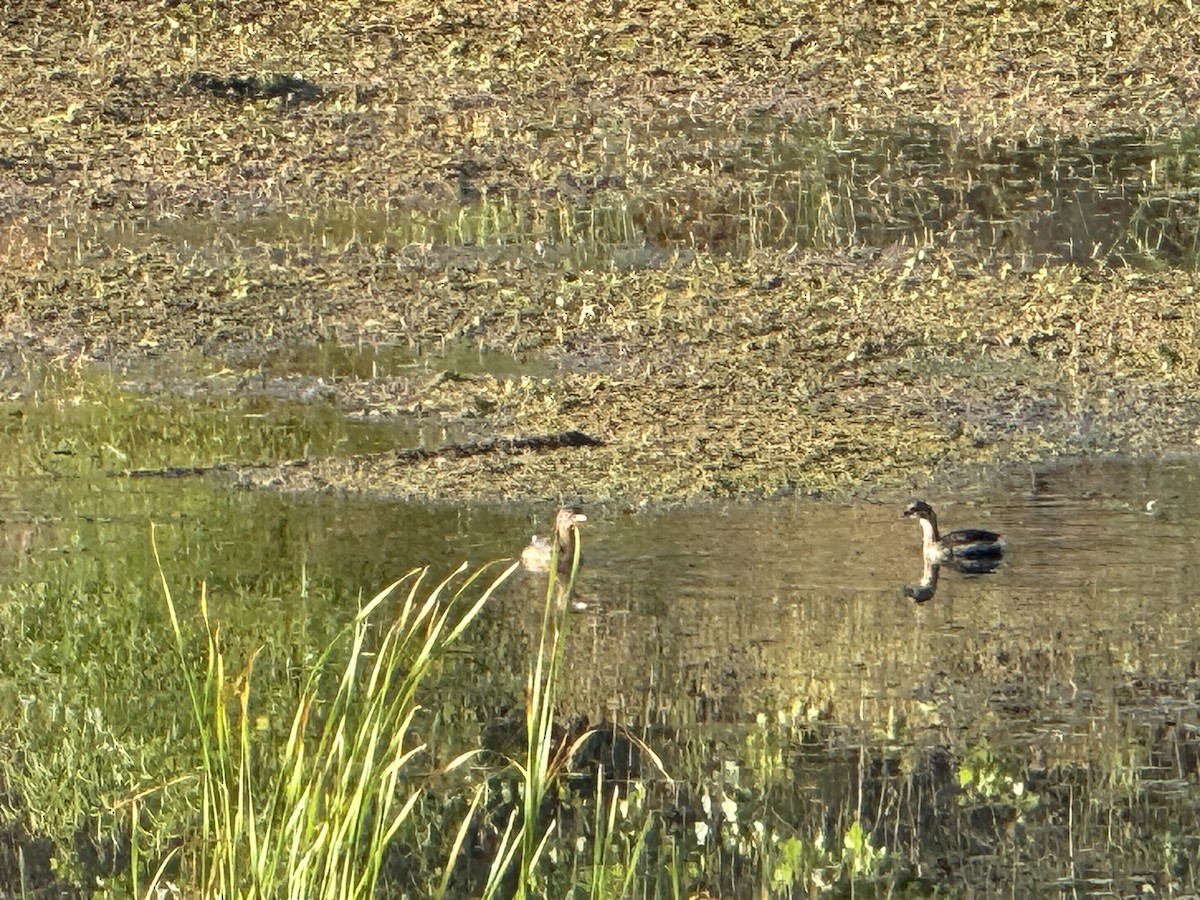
(323, 815)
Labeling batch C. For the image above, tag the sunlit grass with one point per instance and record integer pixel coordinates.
(72, 423)
(525, 839)
(316, 820)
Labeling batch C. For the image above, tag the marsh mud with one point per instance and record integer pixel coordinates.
(753, 255)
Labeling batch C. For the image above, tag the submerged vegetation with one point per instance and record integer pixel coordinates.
(378, 767)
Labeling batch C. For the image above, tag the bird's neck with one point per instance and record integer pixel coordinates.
(566, 543)
(929, 531)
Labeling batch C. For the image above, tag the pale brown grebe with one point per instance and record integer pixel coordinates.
(536, 557)
(967, 544)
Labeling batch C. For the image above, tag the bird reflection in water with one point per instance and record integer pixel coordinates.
(924, 589)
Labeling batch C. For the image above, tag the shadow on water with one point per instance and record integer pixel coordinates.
(1031, 729)
(1122, 198)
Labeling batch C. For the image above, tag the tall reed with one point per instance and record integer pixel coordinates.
(314, 822)
(525, 838)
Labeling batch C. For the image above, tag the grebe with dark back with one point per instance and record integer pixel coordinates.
(965, 544)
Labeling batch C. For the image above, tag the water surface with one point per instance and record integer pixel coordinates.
(987, 729)
(1066, 677)
(1122, 198)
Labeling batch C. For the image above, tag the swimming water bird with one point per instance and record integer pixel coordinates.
(536, 557)
(965, 545)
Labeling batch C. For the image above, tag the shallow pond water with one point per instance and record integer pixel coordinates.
(682, 184)
(981, 737)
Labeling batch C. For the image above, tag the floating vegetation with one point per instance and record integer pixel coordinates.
(753, 257)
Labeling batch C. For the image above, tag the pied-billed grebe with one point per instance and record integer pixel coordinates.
(536, 557)
(967, 544)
